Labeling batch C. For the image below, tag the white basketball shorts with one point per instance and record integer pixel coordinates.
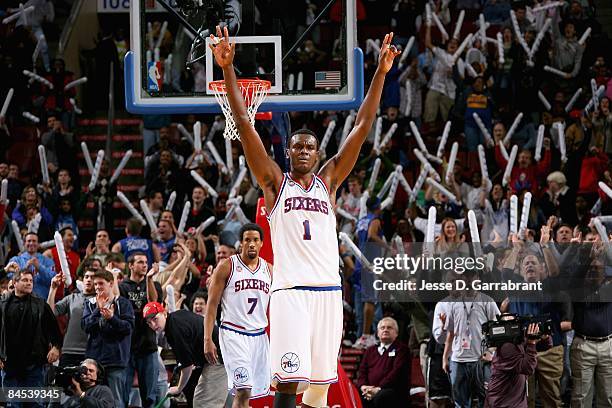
(247, 361)
(305, 335)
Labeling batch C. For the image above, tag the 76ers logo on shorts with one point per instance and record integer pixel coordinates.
(241, 375)
(290, 362)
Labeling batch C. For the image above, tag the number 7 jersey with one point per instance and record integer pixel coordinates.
(304, 238)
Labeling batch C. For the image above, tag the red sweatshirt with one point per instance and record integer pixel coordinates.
(525, 179)
(591, 171)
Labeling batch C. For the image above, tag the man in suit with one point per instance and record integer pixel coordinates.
(384, 373)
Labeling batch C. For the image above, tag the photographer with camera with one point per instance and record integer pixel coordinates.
(514, 361)
(87, 388)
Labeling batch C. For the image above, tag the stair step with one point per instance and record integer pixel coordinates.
(116, 138)
(350, 367)
(114, 155)
(90, 223)
(351, 351)
(104, 122)
(124, 172)
(348, 359)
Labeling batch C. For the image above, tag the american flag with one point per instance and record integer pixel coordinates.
(327, 79)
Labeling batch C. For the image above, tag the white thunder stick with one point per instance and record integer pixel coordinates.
(388, 136)
(168, 69)
(445, 133)
(363, 208)
(443, 190)
(87, 157)
(483, 128)
(471, 71)
(605, 188)
(426, 163)
(148, 216)
(430, 232)
(61, 254)
(216, 156)
(513, 127)
(525, 213)
(374, 174)
(399, 245)
(236, 187)
(514, 214)
(428, 14)
(461, 48)
(47, 244)
(539, 143)
(594, 96)
(3, 191)
(394, 183)
(547, 6)
(162, 34)
(186, 134)
(406, 51)
(228, 156)
(74, 83)
(387, 185)
(596, 210)
(31, 117)
(171, 299)
(601, 230)
(572, 101)
(124, 200)
(38, 78)
(184, 215)
(517, 32)
(404, 183)
(474, 233)
(204, 184)
(562, 148)
(328, 132)
(171, 201)
(17, 234)
(77, 110)
(540, 36)
(353, 248)
(44, 167)
(7, 102)
(372, 46)
(451, 163)
(205, 224)
(418, 185)
(482, 30)
(500, 48)
(600, 92)
(482, 158)
(584, 36)
(150, 35)
(555, 71)
(433, 158)
(544, 100)
(408, 108)
(509, 165)
(348, 123)
(156, 54)
(342, 212)
(502, 149)
(96, 170)
(457, 31)
(121, 166)
(34, 223)
(417, 136)
(197, 135)
(18, 14)
(377, 132)
(440, 26)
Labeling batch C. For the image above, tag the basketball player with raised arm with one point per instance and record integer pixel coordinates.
(306, 301)
(241, 283)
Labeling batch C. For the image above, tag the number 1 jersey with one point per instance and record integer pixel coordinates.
(304, 238)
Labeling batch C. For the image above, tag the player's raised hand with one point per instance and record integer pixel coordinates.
(221, 48)
(210, 351)
(388, 52)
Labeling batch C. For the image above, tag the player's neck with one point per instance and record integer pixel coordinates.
(303, 179)
(251, 263)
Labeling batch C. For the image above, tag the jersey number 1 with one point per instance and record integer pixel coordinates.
(307, 236)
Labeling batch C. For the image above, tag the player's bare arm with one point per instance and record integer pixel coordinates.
(215, 291)
(337, 169)
(269, 176)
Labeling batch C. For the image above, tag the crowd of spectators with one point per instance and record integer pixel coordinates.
(94, 315)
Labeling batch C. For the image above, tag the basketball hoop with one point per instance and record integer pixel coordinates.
(254, 91)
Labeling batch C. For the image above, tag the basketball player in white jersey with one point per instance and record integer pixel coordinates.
(241, 283)
(306, 302)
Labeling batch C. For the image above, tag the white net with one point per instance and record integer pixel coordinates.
(253, 91)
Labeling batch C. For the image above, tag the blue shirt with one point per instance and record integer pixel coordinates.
(165, 249)
(131, 245)
(42, 279)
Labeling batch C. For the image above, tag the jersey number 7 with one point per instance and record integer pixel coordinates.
(254, 303)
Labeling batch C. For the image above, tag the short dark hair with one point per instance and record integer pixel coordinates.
(132, 258)
(104, 274)
(198, 294)
(66, 228)
(251, 227)
(17, 275)
(133, 226)
(303, 131)
(115, 257)
(30, 233)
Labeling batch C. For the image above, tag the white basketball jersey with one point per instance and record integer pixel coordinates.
(304, 238)
(245, 299)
